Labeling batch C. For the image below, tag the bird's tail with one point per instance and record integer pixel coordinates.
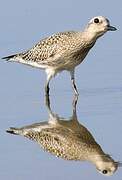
(11, 57)
(15, 131)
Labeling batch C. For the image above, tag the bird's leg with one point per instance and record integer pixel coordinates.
(73, 83)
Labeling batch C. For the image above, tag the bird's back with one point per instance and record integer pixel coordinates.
(49, 47)
(61, 51)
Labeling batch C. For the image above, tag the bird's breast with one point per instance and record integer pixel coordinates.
(73, 58)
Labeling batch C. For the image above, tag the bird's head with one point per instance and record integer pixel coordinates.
(99, 25)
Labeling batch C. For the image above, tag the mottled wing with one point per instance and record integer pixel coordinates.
(49, 48)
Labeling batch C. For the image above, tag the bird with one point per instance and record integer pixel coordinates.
(63, 50)
(68, 139)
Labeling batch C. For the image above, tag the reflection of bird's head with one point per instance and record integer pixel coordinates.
(107, 166)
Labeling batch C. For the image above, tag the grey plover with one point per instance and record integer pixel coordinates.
(68, 139)
(64, 50)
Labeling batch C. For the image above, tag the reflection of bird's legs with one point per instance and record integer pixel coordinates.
(47, 102)
(47, 89)
(52, 116)
(72, 74)
(50, 73)
(74, 105)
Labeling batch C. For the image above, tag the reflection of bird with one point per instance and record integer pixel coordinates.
(69, 140)
(64, 51)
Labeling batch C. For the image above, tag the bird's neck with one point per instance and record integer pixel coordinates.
(88, 37)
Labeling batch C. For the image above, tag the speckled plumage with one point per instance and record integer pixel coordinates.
(63, 51)
(69, 140)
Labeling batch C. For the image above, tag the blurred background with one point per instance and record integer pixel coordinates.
(99, 80)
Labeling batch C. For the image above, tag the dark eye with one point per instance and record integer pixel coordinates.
(96, 20)
(104, 171)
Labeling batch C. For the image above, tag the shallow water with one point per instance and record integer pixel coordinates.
(22, 99)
